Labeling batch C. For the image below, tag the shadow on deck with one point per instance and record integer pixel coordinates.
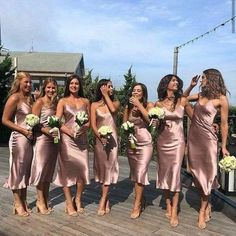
(151, 222)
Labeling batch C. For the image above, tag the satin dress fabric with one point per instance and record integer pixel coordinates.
(21, 152)
(45, 152)
(202, 147)
(106, 167)
(73, 165)
(170, 148)
(140, 157)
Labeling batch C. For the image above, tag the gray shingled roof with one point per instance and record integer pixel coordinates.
(47, 61)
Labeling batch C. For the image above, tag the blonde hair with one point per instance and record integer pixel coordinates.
(15, 87)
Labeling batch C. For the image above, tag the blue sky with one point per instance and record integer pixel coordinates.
(115, 34)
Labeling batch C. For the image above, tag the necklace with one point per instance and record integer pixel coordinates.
(171, 98)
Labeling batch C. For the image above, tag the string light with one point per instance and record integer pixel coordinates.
(208, 32)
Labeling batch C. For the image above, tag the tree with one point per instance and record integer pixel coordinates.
(89, 86)
(5, 75)
(126, 89)
(122, 96)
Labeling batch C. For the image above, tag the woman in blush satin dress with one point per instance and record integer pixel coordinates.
(106, 168)
(202, 139)
(45, 151)
(17, 107)
(171, 142)
(140, 157)
(73, 168)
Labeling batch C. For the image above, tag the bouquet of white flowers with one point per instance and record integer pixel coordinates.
(54, 123)
(228, 163)
(155, 113)
(128, 127)
(31, 121)
(105, 132)
(81, 118)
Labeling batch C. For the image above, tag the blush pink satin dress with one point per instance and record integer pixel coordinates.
(21, 152)
(170, 148)
(45, 152)
(106, 167)
(202, 148)
(140, 157)
(73, 163)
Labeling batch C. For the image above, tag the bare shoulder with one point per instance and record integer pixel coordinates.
(158, 104)
(150, 104)
(39, 101)
(183, 101)
(86, 101)
(14, 98)
(94, 105)
(223, 99)
(62, 102)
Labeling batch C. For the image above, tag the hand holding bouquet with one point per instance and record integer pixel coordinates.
(31, 121)
(54, 123)
(155, 113)
(228, 163)
(81, 118)
(128, 127)
(105, 132)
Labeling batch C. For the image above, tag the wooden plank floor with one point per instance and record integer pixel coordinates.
(151, 222)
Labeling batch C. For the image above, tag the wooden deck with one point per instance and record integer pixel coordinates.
(117, 222)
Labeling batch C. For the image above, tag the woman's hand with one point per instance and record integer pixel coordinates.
(28, 134)
(225, 152)
(80, 131)
(194, 81)
(155, 123)
(104, 140)
(134, 101)
(216, 128)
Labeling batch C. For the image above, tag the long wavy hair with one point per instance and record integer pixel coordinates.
(144, 99)
(45, 83)
(215, 85)
(98, 89)
(163, 86)
(67, 90)
(15, 87)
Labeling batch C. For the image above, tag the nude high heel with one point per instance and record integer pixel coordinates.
(73, 213)
(16, 212)
(137, 212)
(41, 209)
(202, 223)
(107, 209)
(101, 211)
(208, 213)
(78, 206)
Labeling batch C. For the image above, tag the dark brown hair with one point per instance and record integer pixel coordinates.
(67, 91)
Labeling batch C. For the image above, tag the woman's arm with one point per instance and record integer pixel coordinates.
(126, 114)
(224, 110)
(193, 83)
(187, 107)
(112, 106)
(36, 110)
(140, 107)
(59, 114)
(93, 120)
(86, 126)
(9, 110)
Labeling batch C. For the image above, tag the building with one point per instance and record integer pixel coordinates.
(41, 65)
